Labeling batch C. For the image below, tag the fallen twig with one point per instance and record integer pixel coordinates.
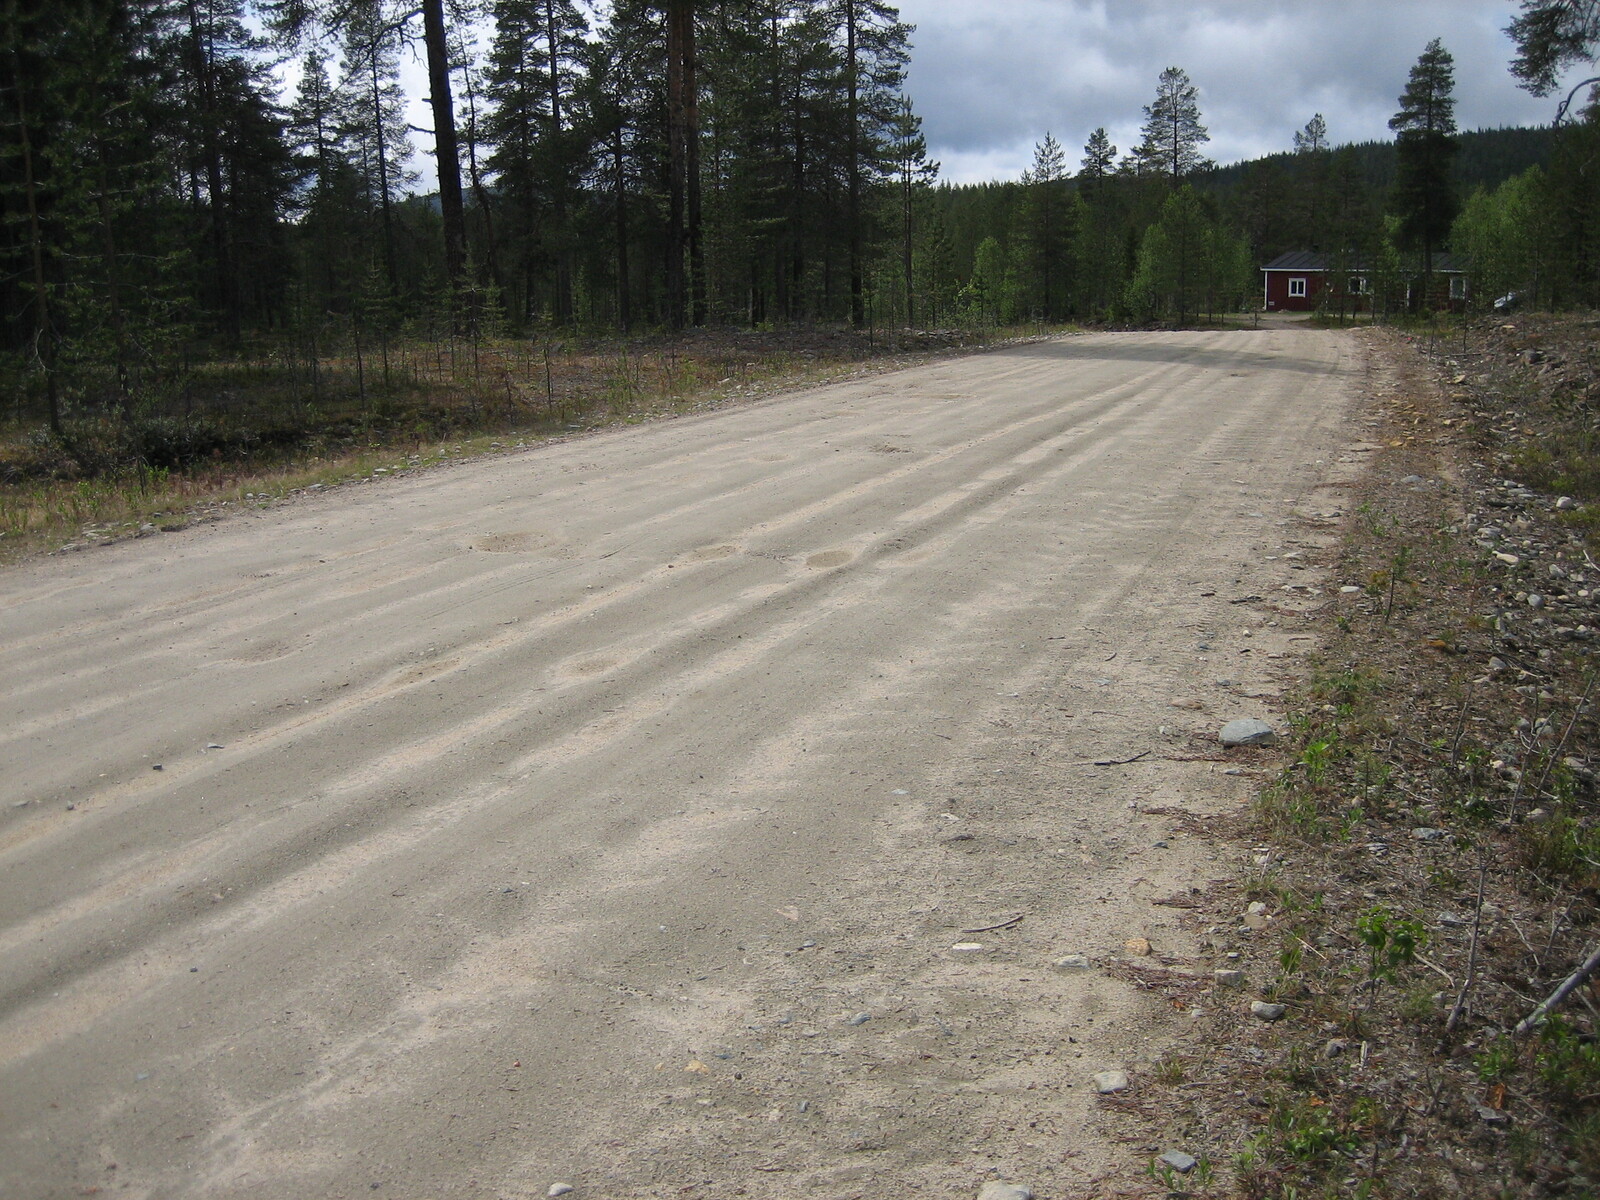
(1460, 1005)
(1568, 985)
(1002, 925)
(1119, 762)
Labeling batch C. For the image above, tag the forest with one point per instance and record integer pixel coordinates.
(212, 206)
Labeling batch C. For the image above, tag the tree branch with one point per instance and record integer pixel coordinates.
(1568, 985)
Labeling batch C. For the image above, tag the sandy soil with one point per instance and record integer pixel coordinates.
(560, 817)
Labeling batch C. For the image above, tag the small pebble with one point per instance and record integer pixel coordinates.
(860, 1018)
(1266, 1011)
(967, 947)
(1071, 963)
(1107, 1082)
(1228, 977)
(560, 1189)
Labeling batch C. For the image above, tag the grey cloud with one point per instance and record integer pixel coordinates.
(990, 79)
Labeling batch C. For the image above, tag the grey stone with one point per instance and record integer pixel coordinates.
(861, 1018)
(1413, 479)
(1335, 1047)
(1228, 977)
(1248, 731)
(1106, 1082)
(1267, 1011)
(1492, 1116)
(1425, 833)
(1071, 963)
(1566, 503)
(1004, 1191)
(1180, 1162)
(560, 1189)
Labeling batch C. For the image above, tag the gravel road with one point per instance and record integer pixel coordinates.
(608, 813)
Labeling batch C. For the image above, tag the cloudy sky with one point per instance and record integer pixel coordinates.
(990, 77)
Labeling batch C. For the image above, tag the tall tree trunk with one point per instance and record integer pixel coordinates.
(108, 243)
(691, 170)
(624, 299)
(561, 302)
(480, 194)
(203, 66)
(384, 205)
(446, 155)
(858, 310)
(905, 242)
(44, 335)
(680, 29)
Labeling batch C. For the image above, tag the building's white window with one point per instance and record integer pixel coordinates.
(1359, 285)
(1297, 287)
(1458, 287)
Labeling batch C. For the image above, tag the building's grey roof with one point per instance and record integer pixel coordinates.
(1306, 260)
(1298, 260)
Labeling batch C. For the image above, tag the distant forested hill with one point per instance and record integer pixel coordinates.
(1488, 157)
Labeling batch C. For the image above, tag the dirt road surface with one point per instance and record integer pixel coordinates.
(621, 812)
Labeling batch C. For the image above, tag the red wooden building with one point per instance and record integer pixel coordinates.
(1293, 282)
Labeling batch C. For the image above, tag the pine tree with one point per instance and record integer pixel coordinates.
(539, 131)
(1312, 158)
(1046, 226)
(1550, 36)
(293, 21)
(915, 173)
(1097, 243)
(1425, 147)
(373, 108)
(328, 200)
(874, 61)
(1099, 162)
(1172, 133)
(623, 77)
(1313, 139)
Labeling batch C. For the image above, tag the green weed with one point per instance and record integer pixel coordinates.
(1392, 942)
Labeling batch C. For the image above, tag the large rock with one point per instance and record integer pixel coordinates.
(1004, 1191)
(1248, 731)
